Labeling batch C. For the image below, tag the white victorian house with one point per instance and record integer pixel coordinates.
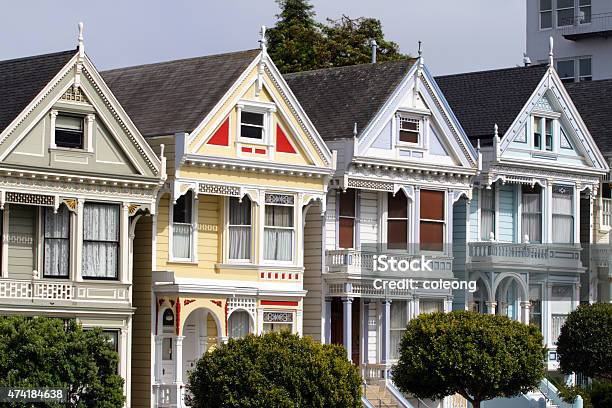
(403, 164)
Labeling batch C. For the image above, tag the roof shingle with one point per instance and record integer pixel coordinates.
(594, 102)
(481, 99)
(22, 79)
(169, 97)
(336, 98)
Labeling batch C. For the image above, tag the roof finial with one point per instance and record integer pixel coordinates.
(421, 58)
(420, 51)
(355, 130)
(496, 144)
(263, 42)
(496, 130)
(550, 51)
(81, 46)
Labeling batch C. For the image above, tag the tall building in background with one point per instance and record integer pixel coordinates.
(581, 31)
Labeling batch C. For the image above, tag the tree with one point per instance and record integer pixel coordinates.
(299, 43)
(475, 355)
(46, 352)
(584, 343)
(275, 370)
(296, 41)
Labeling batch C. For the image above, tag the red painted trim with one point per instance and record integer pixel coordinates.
(278, 303)
(188, 301)
(247, 150)
(283, 144)
(260, 151)
(178, 316)
(157, 315)
(221, 135)
(217, 302)
(226, 306)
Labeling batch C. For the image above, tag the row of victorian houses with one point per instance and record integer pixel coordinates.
(182, 203)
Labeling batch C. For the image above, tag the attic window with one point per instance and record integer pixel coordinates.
(543, 133)
(409, 130)
(69, 131)
(252, 125)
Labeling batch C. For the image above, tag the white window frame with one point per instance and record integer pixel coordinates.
(289, 311)
(263, 108)
(546, 116)
(41, 243)
(294, 229)
(226, 233)
(194, 222)
(410, 227)
(88, 129)
(578, 74)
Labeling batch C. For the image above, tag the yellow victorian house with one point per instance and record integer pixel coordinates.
(245, 164)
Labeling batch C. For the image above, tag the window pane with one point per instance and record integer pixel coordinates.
(252, 118)
(409, 136)
(347, 203)
(100, 259)
(585, 67)
(278, 244)
(565, 69)
(432, 205)
(69, 122)
(531, 222)
(100, 240)
(397, 205)
(546, 19)
(585, 13)
(57, 225)
(347, 227)
(252, 132)
(545, 5)
(397, 234)
(57, 243)
(238, 324)
(279, 216)
(69, 131)
(432, 235)
(182, 209)
(565, 17)
(565, 4)
(240, 212)
(181, 241)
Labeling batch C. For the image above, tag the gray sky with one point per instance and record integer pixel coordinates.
(457, 35)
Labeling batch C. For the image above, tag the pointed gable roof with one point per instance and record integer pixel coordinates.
(594, 102)
(336, 98)
(481, 99)
(169, 97)
(22, 79)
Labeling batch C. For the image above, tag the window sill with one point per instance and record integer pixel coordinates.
(70, 149)
(183, 262)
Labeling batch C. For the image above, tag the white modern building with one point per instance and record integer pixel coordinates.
(580, 30)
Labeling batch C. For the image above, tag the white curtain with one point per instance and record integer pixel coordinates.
(57, 242)
(100, 240)
(532, 217)
(278, 233)
(238, 324)
(240, 228)
(431, 306)
(562, 219)
(398, 322)
(487, 220)
(181, 240)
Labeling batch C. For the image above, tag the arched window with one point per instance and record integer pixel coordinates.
(238, 324)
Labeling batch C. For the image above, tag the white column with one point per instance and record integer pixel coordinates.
(79, 240)
(178, 369)
(577, 217)
(90, 120)
(347, 315)
(158, 358)
(53, 116)
(259, 322)
(491, 306)
(202, 328)
(124, 362)
(327, 321)
(547, 213)
(299, 322)
(124, 238)
(525, 306)
(385, 342)
(364, 334)
(546, 315)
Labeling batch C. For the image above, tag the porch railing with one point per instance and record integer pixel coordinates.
(547, 255)
(164, 396)
(46, 289)
(587, 26)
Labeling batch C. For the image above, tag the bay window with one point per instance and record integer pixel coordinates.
(182, 229)
(397, 326)
(562, 214)
(432, 220)
(56, 243)
(100, 241)
(487, 213)
(239, 228)
(346, 211)
(531, 216)
(397, 221)
(278, 228)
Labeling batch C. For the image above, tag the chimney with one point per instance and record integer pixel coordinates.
(374, 46)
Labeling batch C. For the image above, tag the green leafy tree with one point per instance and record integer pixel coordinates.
(275, 370)
(349, 42)
(299, 43)
(475, 355)
(46, 352)
(296, 42)
(584, 345)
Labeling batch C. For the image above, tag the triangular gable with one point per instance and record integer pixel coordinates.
(442, 131)
(78, 89)
(291, 139)
(551, 98)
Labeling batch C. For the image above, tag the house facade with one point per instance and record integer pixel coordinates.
(75, 178)
(403, 165)
(246, 167)
(532, 205)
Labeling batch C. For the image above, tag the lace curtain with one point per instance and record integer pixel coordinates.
(398, 322)
(238, 324)
(531, 224)
(278, 233)
(240, 228)
(562, 218)
(100, 240)
(57, 243)
(487, 217)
